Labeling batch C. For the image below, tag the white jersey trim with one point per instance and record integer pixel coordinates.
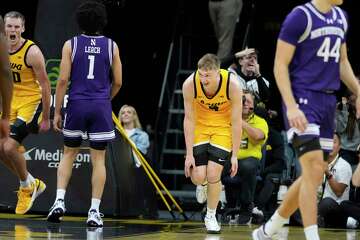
(312, 129)
(110, 50)
(343, 18)
(102, 136)
(308, 27)
(316, 12)
(74, 49)
(326, 143)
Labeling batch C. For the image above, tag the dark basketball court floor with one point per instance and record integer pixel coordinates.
(34, 227)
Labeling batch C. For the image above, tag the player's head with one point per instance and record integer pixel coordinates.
(208, 68)
(91, 17)
(14, 26)
(128, 114)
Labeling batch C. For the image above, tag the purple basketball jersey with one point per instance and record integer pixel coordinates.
(88, 113)
(318, 38)
(90, 70)
(315, 69)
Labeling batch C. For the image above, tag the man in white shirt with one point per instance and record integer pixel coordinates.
(336, 189)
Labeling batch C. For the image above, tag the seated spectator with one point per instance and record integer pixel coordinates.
(348, 128)
(336, 190)
(351, 208)
(255, 131)
(131, 123)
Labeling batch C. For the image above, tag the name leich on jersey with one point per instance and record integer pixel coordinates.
(91, 49)
(324, 31)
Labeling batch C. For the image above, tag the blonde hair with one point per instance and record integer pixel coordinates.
(137, 123)
(209, 62)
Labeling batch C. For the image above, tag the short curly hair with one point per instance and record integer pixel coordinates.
(91, 17)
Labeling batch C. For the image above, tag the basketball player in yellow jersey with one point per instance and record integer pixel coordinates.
(6, 87)
(212, 127)
(31, 92)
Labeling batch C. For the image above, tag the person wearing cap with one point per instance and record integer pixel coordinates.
(247, 68)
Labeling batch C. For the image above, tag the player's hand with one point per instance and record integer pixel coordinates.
(297, 118)
(234, 166)
(57, 122)
(4, 128)
(44, 125)
(189, 163)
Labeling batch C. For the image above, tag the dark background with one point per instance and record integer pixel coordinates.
(144, 30)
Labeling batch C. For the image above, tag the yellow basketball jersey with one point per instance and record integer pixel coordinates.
(214, 111)
(25, 82)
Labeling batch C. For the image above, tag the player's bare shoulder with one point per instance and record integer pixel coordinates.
(234, 84)
(188, 85)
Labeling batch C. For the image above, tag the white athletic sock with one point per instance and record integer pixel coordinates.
(29, 179)
(274, 224)
(311, 232)
(60, 194)
(95, 204)
(210, 212)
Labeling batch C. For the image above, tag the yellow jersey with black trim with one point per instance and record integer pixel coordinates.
(213, 111)
(25, 82)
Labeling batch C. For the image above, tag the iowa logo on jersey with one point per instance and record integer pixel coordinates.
(213, 106)
(16, 66)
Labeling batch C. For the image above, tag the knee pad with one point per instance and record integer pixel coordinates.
(305, 144)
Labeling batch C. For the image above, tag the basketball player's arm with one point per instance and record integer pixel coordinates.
(6, 84)
(62, 83)
(235, 95)
(116, 72)
(189, 122)
(348, 77)
(284, 54)
(36, 60)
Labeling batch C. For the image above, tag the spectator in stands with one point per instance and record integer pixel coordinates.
(247, 69)
(131, 123)
(352, 209)
(224, 15)
(348, 128)
(255, 132)
(336, 189)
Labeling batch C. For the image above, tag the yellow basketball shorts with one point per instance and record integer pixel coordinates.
(212, 144)
(24, 116)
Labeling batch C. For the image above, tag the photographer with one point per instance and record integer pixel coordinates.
(348, 127)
